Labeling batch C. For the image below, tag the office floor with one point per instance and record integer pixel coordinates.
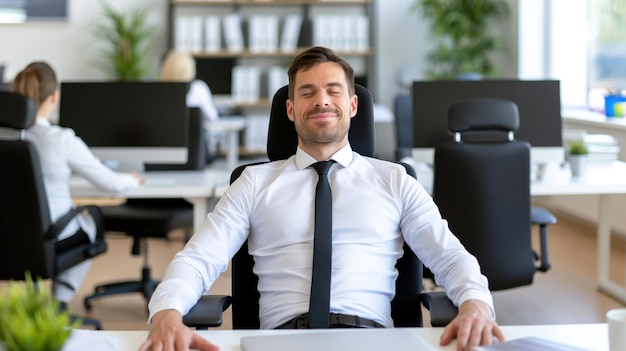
(566, 294)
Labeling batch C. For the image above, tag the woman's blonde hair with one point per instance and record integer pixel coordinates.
(178, 66)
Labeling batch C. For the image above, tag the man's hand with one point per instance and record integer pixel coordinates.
(168, 333)
(473, 326)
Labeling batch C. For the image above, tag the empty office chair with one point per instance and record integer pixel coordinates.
(28, 236)
(282, 143)
(482, 187)
(153, 217)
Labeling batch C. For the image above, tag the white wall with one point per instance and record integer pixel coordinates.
(69, 45)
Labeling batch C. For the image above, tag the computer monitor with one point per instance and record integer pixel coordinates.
(538, 101)
(128, 123)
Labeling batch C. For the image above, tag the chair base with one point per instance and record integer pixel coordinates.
(87, 321)
(145, 286)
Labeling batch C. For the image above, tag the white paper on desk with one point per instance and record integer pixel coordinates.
(92, 340)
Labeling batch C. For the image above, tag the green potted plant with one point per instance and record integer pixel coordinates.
(127, 42)
(577, 157)
(30, 319)
(464, 41)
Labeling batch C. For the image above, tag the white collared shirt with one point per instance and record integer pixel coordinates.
(376, 205)
(62, 153)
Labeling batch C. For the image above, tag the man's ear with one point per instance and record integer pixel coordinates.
(354, 103)
(290, 109)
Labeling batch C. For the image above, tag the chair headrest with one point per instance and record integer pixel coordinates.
(17, 111)
(282, 139)
(483, 115)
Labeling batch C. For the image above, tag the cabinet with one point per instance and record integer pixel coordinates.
(256, 40)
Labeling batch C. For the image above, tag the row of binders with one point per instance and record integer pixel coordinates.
(269, 33)
(247, 82)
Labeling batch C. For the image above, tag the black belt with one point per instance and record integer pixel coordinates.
(336, 320)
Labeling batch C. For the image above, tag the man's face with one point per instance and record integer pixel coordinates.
(322, 106)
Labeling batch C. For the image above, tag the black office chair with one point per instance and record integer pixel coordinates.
(28, 237)
(482, 187)
(153, 217)
(403, 111)
(282, 143)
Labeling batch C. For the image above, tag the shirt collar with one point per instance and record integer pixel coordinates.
(343, 156)
(42, 121)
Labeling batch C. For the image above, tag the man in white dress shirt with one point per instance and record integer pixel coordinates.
(376, 207)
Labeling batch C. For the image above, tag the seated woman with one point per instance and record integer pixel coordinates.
(62, 153)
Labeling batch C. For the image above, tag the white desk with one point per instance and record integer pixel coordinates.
(587, 336)
(231, 125)
(197, 187)
(602, 181)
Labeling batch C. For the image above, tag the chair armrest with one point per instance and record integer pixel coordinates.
(442, 311)
(539, 215)
(60, 224)
(542, 217)
(207, 312)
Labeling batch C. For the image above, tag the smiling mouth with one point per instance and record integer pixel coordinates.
(322, 113)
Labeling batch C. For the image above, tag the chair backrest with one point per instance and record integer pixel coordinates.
(403, 111)
(482, 187)
(196, 147)
(24, 212)
(282, 143)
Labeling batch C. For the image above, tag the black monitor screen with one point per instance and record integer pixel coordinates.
(539, 104)
(124, 115)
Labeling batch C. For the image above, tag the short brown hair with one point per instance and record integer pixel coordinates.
(314, 56)
(37, 81)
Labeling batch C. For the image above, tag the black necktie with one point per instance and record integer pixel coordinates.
(319, 305)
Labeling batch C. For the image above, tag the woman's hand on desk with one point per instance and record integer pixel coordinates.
(168, 333)
(139, 177)
(474, 325)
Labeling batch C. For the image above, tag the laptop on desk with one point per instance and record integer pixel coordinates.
(396, 339)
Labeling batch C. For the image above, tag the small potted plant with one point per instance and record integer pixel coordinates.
(30, 319)
(577, 157)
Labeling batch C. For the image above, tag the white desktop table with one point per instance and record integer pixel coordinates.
(603, 181)
(197, 187)
(586, 336)
(599, 180)
(232, 126)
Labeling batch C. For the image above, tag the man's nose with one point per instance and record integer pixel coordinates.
(322, 99)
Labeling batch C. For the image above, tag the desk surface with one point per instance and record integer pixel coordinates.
(587, 336)
(557, 180)
(175, 184)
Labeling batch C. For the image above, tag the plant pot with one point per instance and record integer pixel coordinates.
(578, 165)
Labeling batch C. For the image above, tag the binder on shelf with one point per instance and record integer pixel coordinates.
(291, 33)
(272, 29)
(263, 33)
(276, 79)
(212, 34)
(246, 82)
(195, 34)
(255, 33)
(233, 33)
(255, 135)
(362, 33)
(181, 33)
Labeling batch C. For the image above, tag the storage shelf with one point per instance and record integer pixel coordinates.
(247, 53)
(269, 2)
